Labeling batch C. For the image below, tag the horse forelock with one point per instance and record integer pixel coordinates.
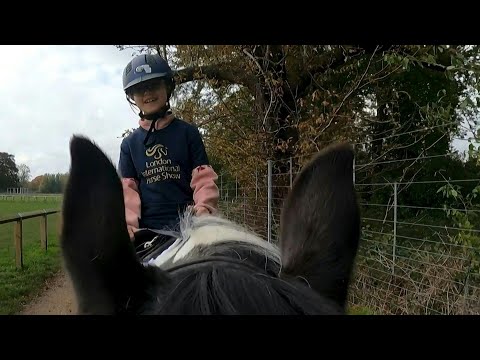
(217, 266)
(216, 236)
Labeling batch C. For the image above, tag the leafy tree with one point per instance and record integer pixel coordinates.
(8, 171)
(23, 175)
(260, 102)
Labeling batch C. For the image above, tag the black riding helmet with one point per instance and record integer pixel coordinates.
(143, 68)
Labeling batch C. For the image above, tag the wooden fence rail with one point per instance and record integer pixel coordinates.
(18, 232)
(19, 197)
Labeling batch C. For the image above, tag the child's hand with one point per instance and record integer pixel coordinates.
(131, 230)
(199, 211)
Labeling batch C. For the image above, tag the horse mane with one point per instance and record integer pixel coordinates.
(216, 266)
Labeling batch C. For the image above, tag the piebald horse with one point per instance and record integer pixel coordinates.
(215, 266)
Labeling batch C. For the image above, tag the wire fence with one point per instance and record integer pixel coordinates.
(420, 248)
(413, 258)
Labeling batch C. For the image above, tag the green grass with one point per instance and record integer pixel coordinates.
(12, 207)
(18, 286)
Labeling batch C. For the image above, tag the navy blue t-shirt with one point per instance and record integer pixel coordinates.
(163, 170)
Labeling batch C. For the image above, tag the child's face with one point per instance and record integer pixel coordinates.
(150, 95)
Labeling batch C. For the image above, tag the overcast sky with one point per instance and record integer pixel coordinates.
(51, 92)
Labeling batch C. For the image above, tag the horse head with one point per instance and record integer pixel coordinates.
(216, 266)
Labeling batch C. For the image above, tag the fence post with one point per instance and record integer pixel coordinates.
(221, 187)
(18, 243)
(291, 173)
(43, 231)
(395, 185)
(244, 208)
(256, 185)
(269, 199)
(465, 290)
(353, 170)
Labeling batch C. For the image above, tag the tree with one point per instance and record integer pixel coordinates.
(283, 86)
(35, 183)
(53, 183)
(23, 175)
(8, 171)
(260, 102)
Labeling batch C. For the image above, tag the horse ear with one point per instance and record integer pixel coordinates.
(320, 224)
(96, 248)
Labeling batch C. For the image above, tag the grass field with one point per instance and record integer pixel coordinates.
(17, 286)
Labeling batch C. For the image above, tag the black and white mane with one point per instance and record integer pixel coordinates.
(215, 266)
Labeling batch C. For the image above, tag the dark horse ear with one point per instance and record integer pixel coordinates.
(97, 251)
(320, 224)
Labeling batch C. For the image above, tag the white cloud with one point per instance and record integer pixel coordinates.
(50, 93)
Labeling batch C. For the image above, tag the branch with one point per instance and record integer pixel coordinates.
(266, 80)
(355, 87)
(338, 58)
(334, 60)
(328, 62)
(223, 72)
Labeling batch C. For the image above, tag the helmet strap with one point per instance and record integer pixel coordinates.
(154, 117)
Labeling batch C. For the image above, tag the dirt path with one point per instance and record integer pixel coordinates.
(56, 299)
